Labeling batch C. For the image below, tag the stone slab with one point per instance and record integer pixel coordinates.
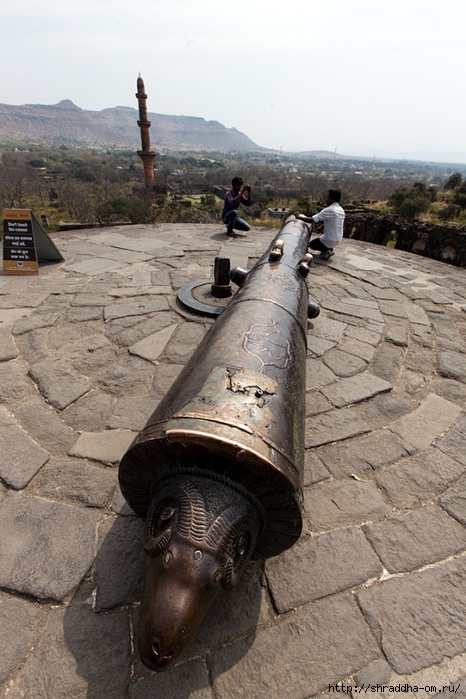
(416, 314)
(431, 419)
(314, 469)
(126, 256)
(317, 374)
(43, 424)
(392, 308)
(419, 619)
(316, 403)
(343, 364)
(33, 346)
(418, 479)
(131, 413)
(452, 365)
(366, 302)
(323, 643)
(447, 335)
(75, 481)
(355, 389)
(97, 265)
(397, 332)
(358, 348)
(20, 457)
(422, 335)
(133, 290)
(60, 383)
(131, 376)
(87, 299)
(18, 624)
(90, 413)
(79, 655)
(131, 329)
(449, 389)
(333, 426)
(147, 244)
(384, 409)
(82, 314)
(14, 383)
(454, 442)
(388, 362)
(120, 562)
(327, 329)
(9, 317)
(8, 349)
(370, 337)
(25, 299)
(454, 502)
(34, 321)
(336, 504)
(235, 614)
(46, 547)
(141, 307)
(377, 673)
(188, 337)
(355, 310)
(319, 567)
(363, 455)
(107, 447)
(407, 542)
(188, 680)
(120, 506)
(151, 347)
(317, 345)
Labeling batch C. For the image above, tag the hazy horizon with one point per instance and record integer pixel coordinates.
(427, 157)
(367, 81)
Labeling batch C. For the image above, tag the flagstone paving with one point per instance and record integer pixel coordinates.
(373, 596)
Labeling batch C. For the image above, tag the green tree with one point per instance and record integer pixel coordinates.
(260, 197)
(411, 208)
(448, 212)
(305, 206)
(136, 210)
(453, 181)
(409, 202)
(460, 199)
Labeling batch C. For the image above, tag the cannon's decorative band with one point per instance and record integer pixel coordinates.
(217, 470)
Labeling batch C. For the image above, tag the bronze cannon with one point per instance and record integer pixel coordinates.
(217, 471)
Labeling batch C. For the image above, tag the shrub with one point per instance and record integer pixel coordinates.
(453, 181)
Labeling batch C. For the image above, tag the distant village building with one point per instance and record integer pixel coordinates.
(278, 213)
(146, 154)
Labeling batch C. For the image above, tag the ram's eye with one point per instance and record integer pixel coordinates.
(197, 555)
(167, 559)
(218, 575)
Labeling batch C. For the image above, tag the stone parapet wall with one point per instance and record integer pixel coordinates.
(446, 243)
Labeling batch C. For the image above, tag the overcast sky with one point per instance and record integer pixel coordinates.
(365, 78)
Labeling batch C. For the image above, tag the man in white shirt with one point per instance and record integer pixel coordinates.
(333, 217)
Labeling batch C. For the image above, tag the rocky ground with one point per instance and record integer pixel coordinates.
(374, 592)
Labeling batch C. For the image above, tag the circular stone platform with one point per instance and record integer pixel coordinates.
(373, 593)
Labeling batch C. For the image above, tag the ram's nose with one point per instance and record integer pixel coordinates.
(155, 656)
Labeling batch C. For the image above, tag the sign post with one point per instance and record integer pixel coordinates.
(25, 242)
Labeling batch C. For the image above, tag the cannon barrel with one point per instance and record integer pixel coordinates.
(217, 470)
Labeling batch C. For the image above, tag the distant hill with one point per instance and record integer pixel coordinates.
(66, 123)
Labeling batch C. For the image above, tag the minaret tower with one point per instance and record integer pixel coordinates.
(146, 154)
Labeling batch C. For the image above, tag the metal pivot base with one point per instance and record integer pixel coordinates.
(220, 287)
(187, 300)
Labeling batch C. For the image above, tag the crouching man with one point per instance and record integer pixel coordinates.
(333, 217)
(238, 194)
